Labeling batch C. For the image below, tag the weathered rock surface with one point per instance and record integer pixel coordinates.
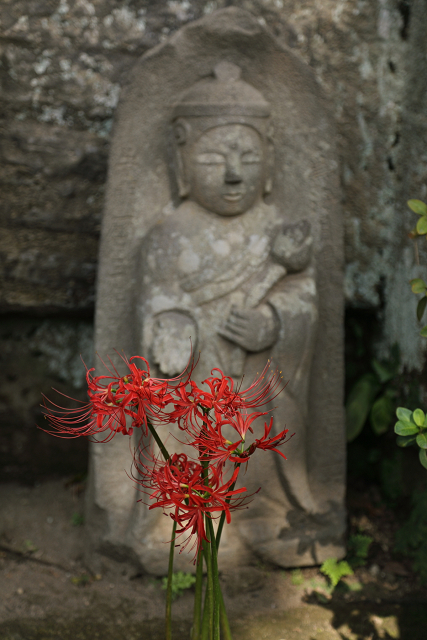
(35, 356)
(248, 263)
(63, 63)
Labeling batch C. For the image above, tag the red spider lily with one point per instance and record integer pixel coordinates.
(227, 402)
(266, 443)
(114, 399)
(263, 389)
(188, 411)
(181, 485)
(242, 424)
(212, 445)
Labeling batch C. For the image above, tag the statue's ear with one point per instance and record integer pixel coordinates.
(183, 186)
(269, 152)
(181, 132)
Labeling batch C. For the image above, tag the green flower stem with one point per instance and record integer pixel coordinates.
(225, 626)
(216, 585)
(197, 616)
(222, 519)
(226, 631)
(205, 619)
(207, 625)
(172, 544)
(208, 606)
(169, 587)
(157, 439)
(221, 523)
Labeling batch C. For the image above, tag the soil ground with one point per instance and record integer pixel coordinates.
(47, 592)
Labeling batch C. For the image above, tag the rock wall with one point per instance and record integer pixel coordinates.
(35, 355)
(63, 63)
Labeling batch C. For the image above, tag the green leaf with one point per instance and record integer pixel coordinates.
(423, 457)
(422, 225)
(417, 285)
(385, 372)
(421, 306)
(404, 415)
(418, 206)
(422, 440)
(77, 519)
(358, 545)
(180, 582)
(405, 441)
(423, 332)
(419, 417)
(381, 415)
(359, 404)
(336, 570)
(405, 429)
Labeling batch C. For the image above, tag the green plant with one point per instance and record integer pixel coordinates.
(411, 539)
(77, 519)
(419, 207)
(297, 578)
(411, 429)
(29, 546)
(194, 493)
(373, 397)
(180, 582)
(82, 580)
(417, 284)
(335, 570)
(358, 549)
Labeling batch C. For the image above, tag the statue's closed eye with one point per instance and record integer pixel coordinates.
(250, 157)
(210, 158)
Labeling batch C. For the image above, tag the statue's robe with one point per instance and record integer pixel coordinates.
(194, 266)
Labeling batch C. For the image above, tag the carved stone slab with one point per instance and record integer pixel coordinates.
(250, 267)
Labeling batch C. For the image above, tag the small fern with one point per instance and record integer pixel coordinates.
(335, 570)
(180, 582)
(358, 549)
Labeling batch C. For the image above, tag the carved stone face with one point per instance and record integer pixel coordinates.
(225, 169)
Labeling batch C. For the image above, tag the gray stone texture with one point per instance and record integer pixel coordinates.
(36, 355)
(63, 63)
(231, 245)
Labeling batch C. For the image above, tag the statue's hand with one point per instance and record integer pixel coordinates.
(252, 329)
(174, 336)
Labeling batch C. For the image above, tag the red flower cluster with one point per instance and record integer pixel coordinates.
(189, 490)
(117, 404)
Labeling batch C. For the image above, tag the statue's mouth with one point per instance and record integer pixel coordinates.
(233, 197)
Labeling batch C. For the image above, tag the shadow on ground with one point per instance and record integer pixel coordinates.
(314, 621)
(375, 621)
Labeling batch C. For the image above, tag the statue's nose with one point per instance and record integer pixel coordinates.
(233, 172)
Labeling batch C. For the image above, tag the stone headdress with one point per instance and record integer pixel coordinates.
(221, 99)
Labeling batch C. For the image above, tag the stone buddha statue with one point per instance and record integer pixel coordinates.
(237, 275)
